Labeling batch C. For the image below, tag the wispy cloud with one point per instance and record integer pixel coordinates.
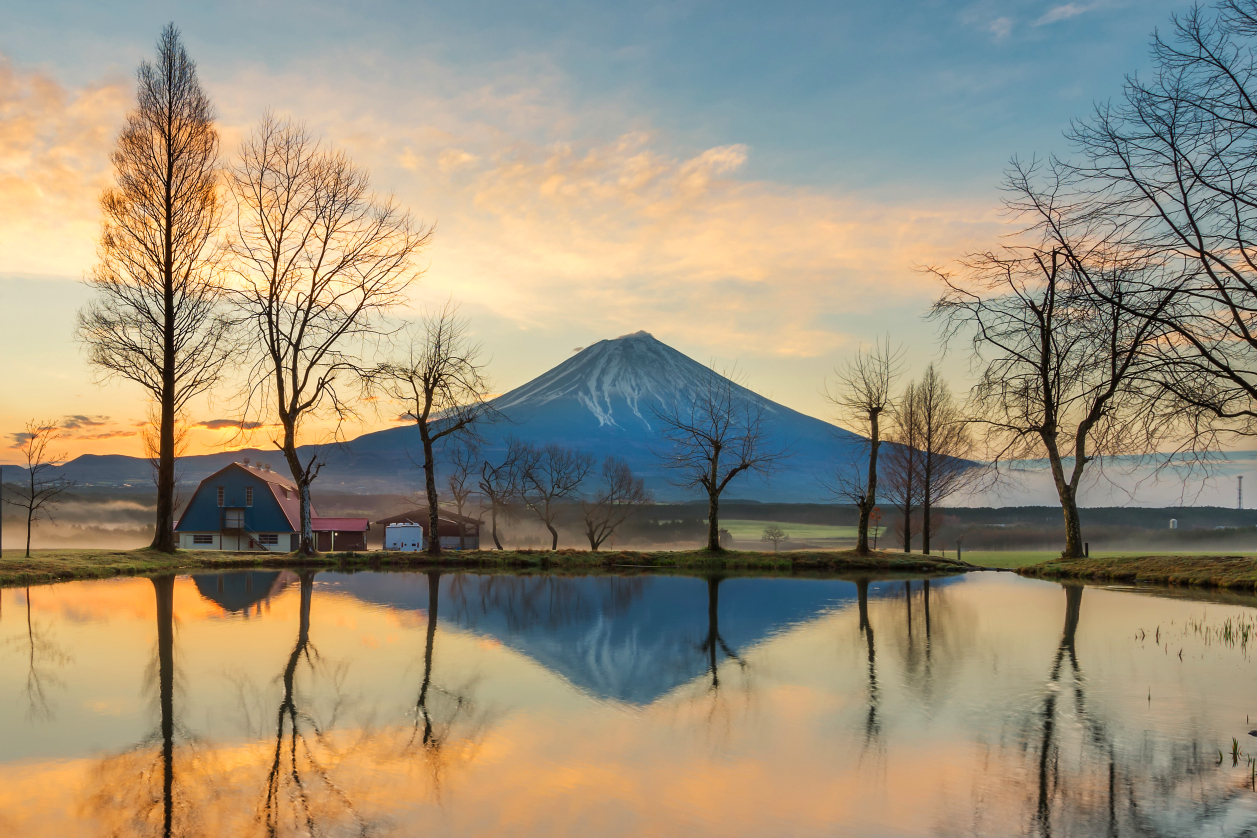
(223, 424)
(1001, 27)
(74, 423)
(1063, 12)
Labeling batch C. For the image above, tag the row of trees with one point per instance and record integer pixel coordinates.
(917, 446)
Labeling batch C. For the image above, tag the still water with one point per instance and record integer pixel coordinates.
(302, 703)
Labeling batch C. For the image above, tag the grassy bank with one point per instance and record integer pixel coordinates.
(1236, 572)
(62, 565)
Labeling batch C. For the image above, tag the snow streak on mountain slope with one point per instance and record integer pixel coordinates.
(619, 381)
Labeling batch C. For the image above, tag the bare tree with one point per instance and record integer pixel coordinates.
(552, 475)
(721, 431)
(616, 499)
(40, 493)
(461, 480)
(862, 393)
(775, 534)
(902, 467)
(443, 386)
(945, 447)
(501, 483)
(1065, 370)
(318, 259)
(156, 317)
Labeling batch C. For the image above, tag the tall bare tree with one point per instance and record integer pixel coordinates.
(39, 494)
(317, 260)
(441, 382)
(721, 431)
(902, 472)
(862, 393)
(1066, 369)
(156, 318)
(552, 476)
(619, 495)
(945, 447)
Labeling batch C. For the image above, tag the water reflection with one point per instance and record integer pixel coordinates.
(316, 703)
(43, 657)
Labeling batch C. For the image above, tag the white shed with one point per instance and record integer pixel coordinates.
(404, 537)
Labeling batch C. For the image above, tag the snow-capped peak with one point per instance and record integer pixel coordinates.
(616, 380)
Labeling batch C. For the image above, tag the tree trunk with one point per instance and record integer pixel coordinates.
(713, 521)
(926, 501)
(164, 536)
(493, 517)
(308, 547)
(1067, 491)
(870, 497)
(30, 517)
(434, 509)
(1073, 526)
(554, 536)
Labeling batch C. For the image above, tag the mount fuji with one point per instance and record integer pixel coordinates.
(604, 400)
(601, 400)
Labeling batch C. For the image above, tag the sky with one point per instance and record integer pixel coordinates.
(754, 184)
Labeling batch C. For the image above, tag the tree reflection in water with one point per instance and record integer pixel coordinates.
(1078, 772)
(871, 724)
(43, 657)
(440, 709)
(299, 796)
(162, 785)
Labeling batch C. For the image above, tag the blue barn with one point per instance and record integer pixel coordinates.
(249, 507)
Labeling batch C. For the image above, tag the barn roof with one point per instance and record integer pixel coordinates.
(420, 516)
(340, 524)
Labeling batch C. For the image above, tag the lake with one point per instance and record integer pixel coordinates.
(314, 703)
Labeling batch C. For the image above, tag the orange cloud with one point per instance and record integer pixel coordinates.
(54, 158)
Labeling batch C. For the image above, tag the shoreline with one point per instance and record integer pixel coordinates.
(52, 566)
(1232, 572)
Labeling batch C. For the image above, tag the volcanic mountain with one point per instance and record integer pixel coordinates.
(602, 400)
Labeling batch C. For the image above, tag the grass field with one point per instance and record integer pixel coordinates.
(744, 529)
(1025, 558)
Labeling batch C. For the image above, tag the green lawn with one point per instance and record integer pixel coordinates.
(750, 530)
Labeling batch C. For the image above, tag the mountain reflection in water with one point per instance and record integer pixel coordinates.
(312, 703)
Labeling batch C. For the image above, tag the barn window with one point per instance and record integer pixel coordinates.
(203, 539)
(269, 538)
(248, 496)
(234, 519)
(221, 494)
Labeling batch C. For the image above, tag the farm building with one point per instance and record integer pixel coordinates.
(250, 507)
(451, 524)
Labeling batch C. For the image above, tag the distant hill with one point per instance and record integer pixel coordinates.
(599, 400)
